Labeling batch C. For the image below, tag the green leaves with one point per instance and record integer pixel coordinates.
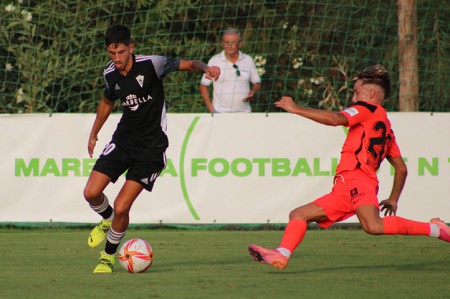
(54, 50)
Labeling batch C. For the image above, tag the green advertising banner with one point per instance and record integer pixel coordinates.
(226, 168)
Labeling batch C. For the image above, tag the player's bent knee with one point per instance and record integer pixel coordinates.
(308, 212)
(295, 214)
(299, 214)
(87, 195)
(373, 229)
(121, 209)
(91, 197)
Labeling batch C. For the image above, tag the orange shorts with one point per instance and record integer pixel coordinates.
(350, 191)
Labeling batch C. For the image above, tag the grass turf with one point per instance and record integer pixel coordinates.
(215, 264)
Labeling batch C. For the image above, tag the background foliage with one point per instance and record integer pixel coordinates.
(52, 52)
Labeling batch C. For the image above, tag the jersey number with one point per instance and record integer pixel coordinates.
(379, 141)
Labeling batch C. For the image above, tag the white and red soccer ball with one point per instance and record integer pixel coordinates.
(136, 255)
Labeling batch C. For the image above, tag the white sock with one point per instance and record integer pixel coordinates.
(102, 207)
(115, 237)
(284, 252)
(434, 230)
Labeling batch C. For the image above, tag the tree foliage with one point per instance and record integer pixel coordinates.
(52, 52)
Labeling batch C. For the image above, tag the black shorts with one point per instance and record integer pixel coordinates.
(140, 166)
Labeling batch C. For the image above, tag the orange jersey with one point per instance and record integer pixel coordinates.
(370, 139)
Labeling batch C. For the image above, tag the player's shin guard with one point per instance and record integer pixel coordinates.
(113, 241)
(293, 235)
(394, 225)
(104, 210)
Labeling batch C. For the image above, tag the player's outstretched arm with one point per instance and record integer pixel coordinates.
(324, 117)
(389, 206)
(196, 66)
(103, 111)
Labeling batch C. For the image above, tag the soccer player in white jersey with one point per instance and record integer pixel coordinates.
(139, 142)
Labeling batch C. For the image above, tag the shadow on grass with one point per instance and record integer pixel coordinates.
(436, 266)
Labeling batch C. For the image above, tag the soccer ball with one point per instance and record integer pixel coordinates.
(136, 255)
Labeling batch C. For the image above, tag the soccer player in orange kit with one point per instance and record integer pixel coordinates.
(370, 139)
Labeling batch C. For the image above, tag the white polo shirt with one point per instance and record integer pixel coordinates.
(230, 90)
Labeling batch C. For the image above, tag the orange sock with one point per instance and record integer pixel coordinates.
(394, 225)
(293, 234)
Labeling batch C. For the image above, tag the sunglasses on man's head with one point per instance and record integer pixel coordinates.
(238, 73)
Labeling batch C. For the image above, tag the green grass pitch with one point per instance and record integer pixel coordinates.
(57, 263)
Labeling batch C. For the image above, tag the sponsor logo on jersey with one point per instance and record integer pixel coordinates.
(352, 111)
(140, 80)
(132, 101)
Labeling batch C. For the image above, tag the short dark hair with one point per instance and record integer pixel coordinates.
(118, 34)
(378, 75)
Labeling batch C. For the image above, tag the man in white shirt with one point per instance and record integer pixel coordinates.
(231, 92)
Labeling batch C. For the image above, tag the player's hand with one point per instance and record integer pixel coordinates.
(287, 103)
(91, 145)
(212, 73)
(249, 97)
(389, 207)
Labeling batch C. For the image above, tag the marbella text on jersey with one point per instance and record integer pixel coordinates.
(132, 100)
